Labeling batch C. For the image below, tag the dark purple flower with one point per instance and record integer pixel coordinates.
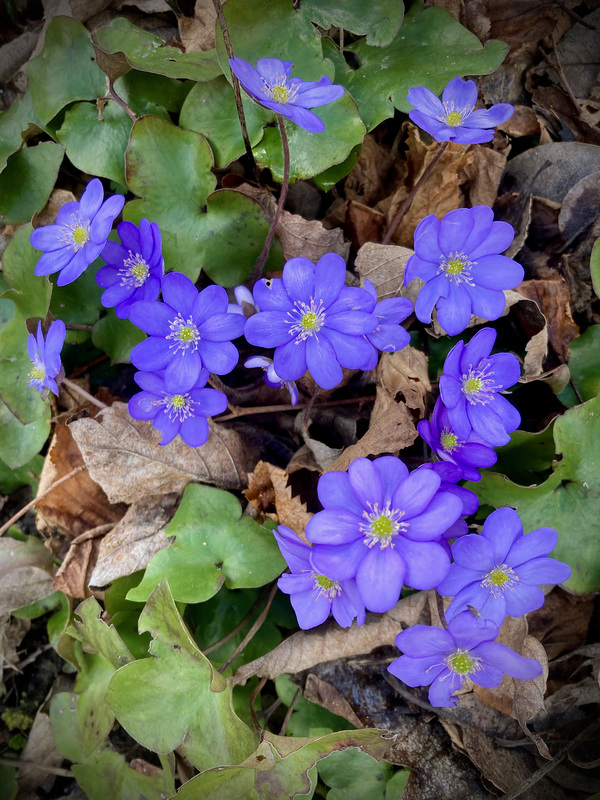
(134, 267)
(458, 258)
(271, 86)
(466, 649)
(498, 571)
(313, 320)
(79, 235)
(45, 356)
(389, 336)
(174, 410)
(470, 389)
(453, 119)
(468, 454)
(272, 378)
(380, 525)
(314, 596)
(190, 330)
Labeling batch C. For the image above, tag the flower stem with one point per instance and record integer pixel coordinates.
(252, 632)
(114, 96)
(236, 87)
(406, 204)
(258, 267)
(90, 398)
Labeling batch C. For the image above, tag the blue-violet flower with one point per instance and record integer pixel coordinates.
(459, 260)
(453, 119)
(389, 336)
(272, 378)
(190, 330)
(314, 596)
(449, 475)
(380, 525)
(79, 235)
(271, 86)
(498, 571)
(466, 649)
(134, 267)
(45, 356)
(470, 387)
(313, 320)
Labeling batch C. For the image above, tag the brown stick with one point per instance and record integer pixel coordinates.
(90, 398)
(244, 412)
(253, 630)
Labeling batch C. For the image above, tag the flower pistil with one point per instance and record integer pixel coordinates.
(134, 271)
(381, 525)
(500, 578)
(307, 319)
(478, 385)
(457, 268)
(184, 334)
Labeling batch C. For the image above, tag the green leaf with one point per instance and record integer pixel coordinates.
(106, 774)
(313, 153)
(568, 501)
(26, 475)
(145, 52)
(328, 179)
(66, 729)
(25, 573)
(146, 93)
(213, 545)
(79, 302)
(210, 109)
(354, 775)
(278, 769)
(65, 70)
(430, 49)
(527, 457)
(380, 20)
(171, 169)
(19, 443)
(116, 337)
(94, 715)
(8, 782)
(96, 146)
(595, 267)
(30, 294)
(97, 636)
(232, 235)
(27, 180)
(144, 694)
(306, 716)
(17, 123)
(584, 366)
(39, 607)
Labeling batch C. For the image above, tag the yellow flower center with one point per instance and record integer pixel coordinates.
(177, 401)
(309, 320)
(281, 94)
(37, 373)
(324, 582)
(186, 335)
(461, 663)
(472, 386)
(455, 266)
(80, 235)
(453, 119)
(382, 526)
(449, 441)
(498, 577)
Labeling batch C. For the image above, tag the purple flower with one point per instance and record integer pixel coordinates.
(468, 454)
(313, 320)
(271, 86)
(242, 295)
(45, 356)
(174, 410)
(453, 119)
(389, 336)
(449, 475)
(466, 649)
(79, 235)
(314, 596)
(470, 389)
(458, 258)
(380, 525)
(271, 377)
(190, 330)
(134, 267)
(498, 571)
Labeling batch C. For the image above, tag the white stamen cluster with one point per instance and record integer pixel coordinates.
(134, 271)
(457, 268)
(478, 385)
(306, 319)
(381, 525)
(184, 334)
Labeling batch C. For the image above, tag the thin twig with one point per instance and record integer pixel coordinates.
(252, 632)
(236, 86)
(77, 326)
(86, 395)
(288, 713)
(442, 146)
(244, 412)
(255, 692)
(114, 96)
(215, 645)
(87, 367)
(257, 272)
(45, 494)
(19, 762)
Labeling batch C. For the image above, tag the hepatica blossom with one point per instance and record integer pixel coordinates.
(443, 659)
(453, 119)
(498, 571)
(271, 377)
(459, 260)
(189, 331)
(79, 235)
(134, 267)
(174, 410)
(313, 320)
(270, 85)
(470, 387)
(45, 356)
(314, 596)
(389, 336)
(381, 525)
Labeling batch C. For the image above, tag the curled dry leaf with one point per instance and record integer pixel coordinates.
(324, 694)
(404, 376)
(198, 32)
(384, 266)
(25, 573)
(554, 300)
(132, 543)
(73, 577)
(484, 173)
(304, 649)
(124, 456)
(267, 489)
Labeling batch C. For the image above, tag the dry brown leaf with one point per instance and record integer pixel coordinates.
(73, 576)
(39, 750)
(268, 488)
(404, 375)
(47, 215)
(365, 182)
(12, 632)
(324, 694)
(522, 123)
(134, 540)
(484, 173)
(363, 224)
(384, 266)
(198, 32)
(554, 300)
(25, 573)
(124, 456)
(304, 649)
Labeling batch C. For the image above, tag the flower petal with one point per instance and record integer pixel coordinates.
(290, 360)
(469, 631)
(426, 242)
(338, 562)
(427, 563)
(488, 424)
(311, 609)
(416, 671)
(271, 296)
(523, 598)
(475, 552)
(425, 641)
(544, 571)
(299, 279)
(183, 370)
(379, 579)
(486, 303)
(497, 272)
(537, 544)
(366, 483)
(429, 295)
(179, 292)
(442, 689)
(330, 277)
(333, 526)
(322, 363)
(194, 431)
(218, 357)
(268, 329)
(426, 101)
(222, 327)
(415, 493)
(212, 300)
(334, 491)
(454, 310)
(443, 511)
(153, 318)
(498, 239)
(391, 471)
(460, 94)
(508, 661)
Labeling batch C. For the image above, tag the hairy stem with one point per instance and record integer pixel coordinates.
(114, 96)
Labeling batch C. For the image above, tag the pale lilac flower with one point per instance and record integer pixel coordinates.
(271, 377)
(45, 356)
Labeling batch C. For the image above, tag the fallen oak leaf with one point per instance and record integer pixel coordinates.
(267, 488)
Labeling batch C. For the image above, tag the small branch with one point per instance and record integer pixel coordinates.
(442, 146)
(288, 713)
(245, 412)
(215, 646)
(255, 692)
(114, 96)
(19, 762)
(77, 326)
(42, 496)
(236, 87)
(90, 398)
(252, 632)
(282, 197)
